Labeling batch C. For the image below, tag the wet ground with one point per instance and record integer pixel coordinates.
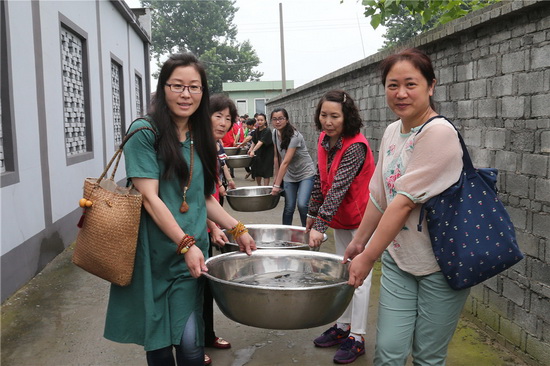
(57, 319)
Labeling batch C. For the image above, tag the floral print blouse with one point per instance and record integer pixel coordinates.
(418, 166)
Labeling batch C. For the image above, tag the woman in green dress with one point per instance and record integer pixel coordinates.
(175, 171)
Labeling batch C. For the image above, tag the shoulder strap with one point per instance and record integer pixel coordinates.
(466, 160)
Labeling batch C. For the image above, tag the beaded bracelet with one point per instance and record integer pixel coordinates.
(186, 242)
(238, 230)
(311, 216)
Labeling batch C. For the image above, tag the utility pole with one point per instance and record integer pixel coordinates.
(283, 73)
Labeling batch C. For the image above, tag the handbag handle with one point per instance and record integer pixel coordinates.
(118, 154)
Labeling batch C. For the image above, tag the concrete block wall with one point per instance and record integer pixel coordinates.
(493, 81)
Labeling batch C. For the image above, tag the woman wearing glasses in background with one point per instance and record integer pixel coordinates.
(294, 168)
(175, 171)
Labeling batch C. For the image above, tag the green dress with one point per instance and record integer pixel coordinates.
(153, 310)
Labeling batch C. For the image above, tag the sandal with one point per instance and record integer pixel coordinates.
(220, 343)
(207, 359)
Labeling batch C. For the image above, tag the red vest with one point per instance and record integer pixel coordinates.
(350, 213)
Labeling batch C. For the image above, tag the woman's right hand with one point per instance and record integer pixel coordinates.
(315, 238)
(195, 261)
(275, 191)
(359, 269)
(309, 224)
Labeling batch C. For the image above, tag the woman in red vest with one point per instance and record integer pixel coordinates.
(340, 194)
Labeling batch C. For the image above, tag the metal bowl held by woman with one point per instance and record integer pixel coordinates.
(238, 161)
(251, 199)
(269, 236)
(230, 151)
(280, 289)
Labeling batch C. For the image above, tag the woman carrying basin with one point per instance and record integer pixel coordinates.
(294, 168)
(344, 167)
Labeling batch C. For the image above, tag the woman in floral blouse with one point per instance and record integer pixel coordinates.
(418, 311)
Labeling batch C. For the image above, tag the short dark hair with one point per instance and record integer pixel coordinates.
(352, 119)
(218, 102)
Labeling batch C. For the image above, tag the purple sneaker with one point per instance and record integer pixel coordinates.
(350, 350)
(331, 337)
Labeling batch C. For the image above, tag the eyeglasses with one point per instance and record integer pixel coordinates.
(275, 119)
(178, 88)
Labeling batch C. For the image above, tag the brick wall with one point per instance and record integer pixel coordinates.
(493, 81)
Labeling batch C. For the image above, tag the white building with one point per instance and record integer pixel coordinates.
(74, 74)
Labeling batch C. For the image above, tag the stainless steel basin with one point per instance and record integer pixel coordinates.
(269, 236)
(280, 289)
(254, 198)
(230, 151)
(238, 161)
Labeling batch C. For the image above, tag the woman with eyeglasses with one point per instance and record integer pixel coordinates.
(174, 168)
(294, 168)
(262, 151)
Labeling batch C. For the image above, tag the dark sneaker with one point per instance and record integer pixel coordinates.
(331, 337)
(350, 350)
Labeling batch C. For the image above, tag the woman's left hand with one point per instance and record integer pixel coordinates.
(246, 243)
(315, 238)
(231, 185)
(195, 261)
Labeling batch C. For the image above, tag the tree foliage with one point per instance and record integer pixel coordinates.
(381, 11)
(205, 28)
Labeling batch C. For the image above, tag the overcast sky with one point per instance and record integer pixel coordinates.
(320, 36)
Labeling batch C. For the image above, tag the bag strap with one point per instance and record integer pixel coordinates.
(466, 160)
(118, 153)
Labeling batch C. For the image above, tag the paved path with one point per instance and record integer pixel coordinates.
(57, 319)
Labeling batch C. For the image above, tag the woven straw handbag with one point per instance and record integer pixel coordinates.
(107, 239)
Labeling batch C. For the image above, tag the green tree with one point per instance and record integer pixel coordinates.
(205, 28)
(381, 11)
(403, 26)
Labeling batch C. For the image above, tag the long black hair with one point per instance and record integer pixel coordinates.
(169, 146)
(288, 131)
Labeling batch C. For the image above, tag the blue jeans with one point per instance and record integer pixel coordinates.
(297, 191)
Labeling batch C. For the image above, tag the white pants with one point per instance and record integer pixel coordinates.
(357, 311)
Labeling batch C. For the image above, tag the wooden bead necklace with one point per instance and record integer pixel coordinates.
(184, 206)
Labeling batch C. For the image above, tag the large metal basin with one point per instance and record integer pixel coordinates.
(230, 151)
(238, 161)
(280, 289)
(251, 199)
(269, 236)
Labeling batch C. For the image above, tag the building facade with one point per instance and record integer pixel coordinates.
(74, 74)
(251, 96)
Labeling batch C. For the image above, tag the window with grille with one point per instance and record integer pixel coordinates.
(139, 96)
(117, 98)
(74, 92)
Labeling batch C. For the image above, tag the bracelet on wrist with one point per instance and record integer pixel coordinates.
(186, 242)
(276, 186)
(311, 216)
(238, 230)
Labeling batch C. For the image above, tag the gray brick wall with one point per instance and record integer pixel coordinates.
(493, 80)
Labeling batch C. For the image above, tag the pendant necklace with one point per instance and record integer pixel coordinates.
(184, 206)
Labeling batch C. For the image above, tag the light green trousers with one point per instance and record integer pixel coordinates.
(417, 314)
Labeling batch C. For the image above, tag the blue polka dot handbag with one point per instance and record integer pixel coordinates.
(472, 236)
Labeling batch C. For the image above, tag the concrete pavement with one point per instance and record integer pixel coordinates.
(57, 319)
